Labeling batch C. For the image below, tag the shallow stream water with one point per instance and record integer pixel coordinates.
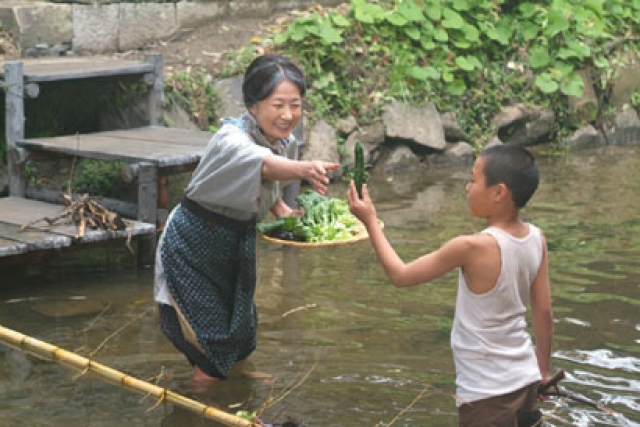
(338, 345)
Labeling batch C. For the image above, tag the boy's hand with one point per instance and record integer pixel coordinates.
(363, 209)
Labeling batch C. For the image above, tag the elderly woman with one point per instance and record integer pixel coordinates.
(206, 257)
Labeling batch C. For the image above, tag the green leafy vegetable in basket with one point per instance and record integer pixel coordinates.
(325, 219)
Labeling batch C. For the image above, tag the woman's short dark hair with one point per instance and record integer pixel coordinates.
(514, 166)
(265, 73)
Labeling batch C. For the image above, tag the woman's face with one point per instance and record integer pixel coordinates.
(279, 114)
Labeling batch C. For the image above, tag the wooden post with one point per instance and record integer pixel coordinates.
(147, 209)
(14, 124)
(155, 95)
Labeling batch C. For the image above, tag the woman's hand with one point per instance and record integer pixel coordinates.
(280, 209)
(316, 175)
(363, 208)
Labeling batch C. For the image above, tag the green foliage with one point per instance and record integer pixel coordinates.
(635, 100)
(98, 178)
(471, 56)
(193, 91)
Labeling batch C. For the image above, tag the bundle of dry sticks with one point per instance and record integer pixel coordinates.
(83, 212)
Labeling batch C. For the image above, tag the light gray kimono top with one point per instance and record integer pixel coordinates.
(228, 178)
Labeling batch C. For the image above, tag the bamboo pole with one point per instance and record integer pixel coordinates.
(55, 354)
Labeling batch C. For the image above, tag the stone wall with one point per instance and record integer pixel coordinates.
(101, 26)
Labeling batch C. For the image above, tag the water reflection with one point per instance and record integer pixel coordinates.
(337, 344)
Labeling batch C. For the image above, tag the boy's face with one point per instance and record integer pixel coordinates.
(478, 194)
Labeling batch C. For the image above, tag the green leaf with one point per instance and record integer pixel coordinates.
(441, 35)
(461, 5)
(396, 19)
(447, 75)
(471, 33)
(367, 13)
(601, 61)
(538, 57)
(574, 85)
(500, 33)
(328, 33)
(557, 23)
(413, 33)
(427, 43)
(546, 83)
(340, 20)
(452, 19)
(434, 11)
(580, 49)
(457, 87)
(594, 5)
(529, 31)
(411, 11)
(527, 9)
(565, 53)
(424, 73)
(464, 63)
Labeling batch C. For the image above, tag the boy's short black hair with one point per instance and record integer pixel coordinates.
(514, 166)
(265, 73)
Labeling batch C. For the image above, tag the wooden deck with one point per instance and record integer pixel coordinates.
(152, 152)
(161, 146)
(16, 212)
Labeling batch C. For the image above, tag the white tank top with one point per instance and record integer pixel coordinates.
(492, 349)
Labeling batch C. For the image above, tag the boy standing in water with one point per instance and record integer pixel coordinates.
(501, 269)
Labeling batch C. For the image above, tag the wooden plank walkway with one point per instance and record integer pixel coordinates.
(58, 69)
(151, 152)
(16, 212)
(161, 146)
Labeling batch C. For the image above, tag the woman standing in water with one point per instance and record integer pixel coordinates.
(206, 257)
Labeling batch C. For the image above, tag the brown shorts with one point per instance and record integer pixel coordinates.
(515, 409)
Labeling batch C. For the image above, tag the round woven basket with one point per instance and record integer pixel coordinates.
(358, 237)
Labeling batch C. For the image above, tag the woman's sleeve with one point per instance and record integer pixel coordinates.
(229, 173)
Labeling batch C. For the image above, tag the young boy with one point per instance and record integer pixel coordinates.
(503, 267)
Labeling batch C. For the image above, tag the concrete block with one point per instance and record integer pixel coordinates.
(251, 8)
(36, 23)
(194, 13)
(96, 29)
(143, 23)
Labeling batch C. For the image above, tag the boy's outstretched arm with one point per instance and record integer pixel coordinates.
(542, 315)
(421, 270)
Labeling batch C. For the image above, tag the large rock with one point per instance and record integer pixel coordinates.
(421, 125)
(321, 143)
(585, 137)
(456, 154)
(522, 125)
(627, 81)
(4, 179)
(625, 129)
(229, 93)
(584, 108)
(400, 159)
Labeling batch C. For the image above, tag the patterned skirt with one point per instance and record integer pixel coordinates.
(210, 264)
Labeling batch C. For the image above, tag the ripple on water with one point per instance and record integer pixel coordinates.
(601, 358)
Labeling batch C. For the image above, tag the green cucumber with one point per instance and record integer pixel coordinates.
(359, 172)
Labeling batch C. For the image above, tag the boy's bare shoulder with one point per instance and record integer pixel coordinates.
(478, 241)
